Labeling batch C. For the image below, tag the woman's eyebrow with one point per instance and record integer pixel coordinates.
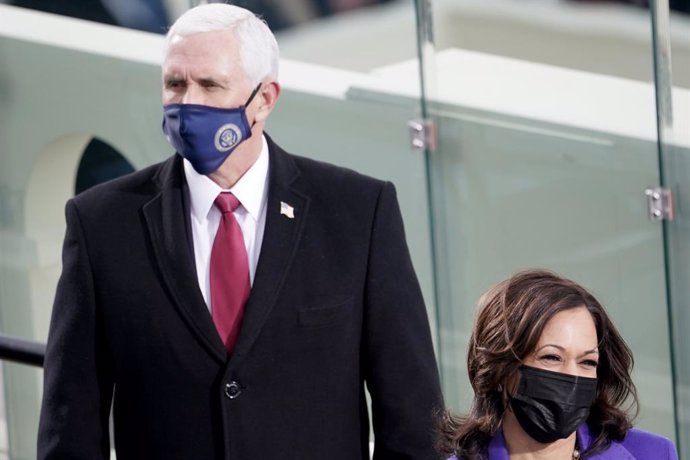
(561, 348)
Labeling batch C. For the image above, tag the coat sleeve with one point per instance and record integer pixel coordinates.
(77, 388)
(399, 362)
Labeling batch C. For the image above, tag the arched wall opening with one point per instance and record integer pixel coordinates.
(64, 167)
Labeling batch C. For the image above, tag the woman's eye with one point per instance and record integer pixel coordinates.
(551, 358)
(590, 363)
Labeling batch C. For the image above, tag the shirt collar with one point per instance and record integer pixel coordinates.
(250, 189)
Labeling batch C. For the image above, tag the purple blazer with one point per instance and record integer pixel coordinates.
(637, 445)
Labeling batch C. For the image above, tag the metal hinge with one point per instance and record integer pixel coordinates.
(660, 203)
(422, 134)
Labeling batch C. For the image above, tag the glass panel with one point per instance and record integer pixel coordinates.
(359, 38)
(22, 405)
(109, 92)
(673, 118)
(547, 142)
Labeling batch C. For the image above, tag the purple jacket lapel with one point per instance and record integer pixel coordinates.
(615, 451)
(497, 449)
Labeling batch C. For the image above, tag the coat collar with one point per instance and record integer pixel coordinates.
(497, 449)
(167, 220)
(615, 451)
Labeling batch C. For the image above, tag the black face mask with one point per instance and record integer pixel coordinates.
(550, 405)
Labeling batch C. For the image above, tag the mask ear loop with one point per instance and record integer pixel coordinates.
(506, 399)
(249, 101)
(251, 96)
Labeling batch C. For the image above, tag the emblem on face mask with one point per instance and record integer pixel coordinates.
(227, 137)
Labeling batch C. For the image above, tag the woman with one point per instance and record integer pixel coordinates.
(551, 379)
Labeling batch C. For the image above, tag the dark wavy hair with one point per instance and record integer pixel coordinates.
(510, 320)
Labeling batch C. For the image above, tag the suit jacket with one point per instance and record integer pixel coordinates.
(637, 445)
(335, 304)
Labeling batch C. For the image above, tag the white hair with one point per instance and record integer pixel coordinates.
(257, 45)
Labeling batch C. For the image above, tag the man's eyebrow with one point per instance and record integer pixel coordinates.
(213, 81)
(173, 78)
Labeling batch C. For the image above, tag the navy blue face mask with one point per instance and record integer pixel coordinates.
(205, 135)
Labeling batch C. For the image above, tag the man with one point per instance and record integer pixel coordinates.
(154, 311)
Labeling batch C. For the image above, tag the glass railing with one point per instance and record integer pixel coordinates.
(673, 105)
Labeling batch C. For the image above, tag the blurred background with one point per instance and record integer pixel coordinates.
(518, 133)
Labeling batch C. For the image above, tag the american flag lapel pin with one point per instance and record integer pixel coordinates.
(287, 210)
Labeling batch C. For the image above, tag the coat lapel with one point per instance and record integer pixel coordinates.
(283, 230)
(166, 221)
(615, 451)
(497, 449)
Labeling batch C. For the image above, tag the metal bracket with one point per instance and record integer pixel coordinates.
(660, 204)
(422, 134)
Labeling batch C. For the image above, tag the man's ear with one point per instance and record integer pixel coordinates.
(267, 97)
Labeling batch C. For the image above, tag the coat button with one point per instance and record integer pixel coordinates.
(233, 390)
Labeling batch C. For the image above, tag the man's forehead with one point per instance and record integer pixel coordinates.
(196, 71)
(202, 52)
(175, 39)
(215, 44)
(224, 36)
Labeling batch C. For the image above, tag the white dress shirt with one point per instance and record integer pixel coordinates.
(251, 191)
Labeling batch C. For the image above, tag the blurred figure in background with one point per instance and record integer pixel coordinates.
(154, 15)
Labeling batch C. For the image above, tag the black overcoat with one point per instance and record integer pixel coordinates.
(335, 305)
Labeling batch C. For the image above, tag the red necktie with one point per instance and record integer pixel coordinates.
(229, 273)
